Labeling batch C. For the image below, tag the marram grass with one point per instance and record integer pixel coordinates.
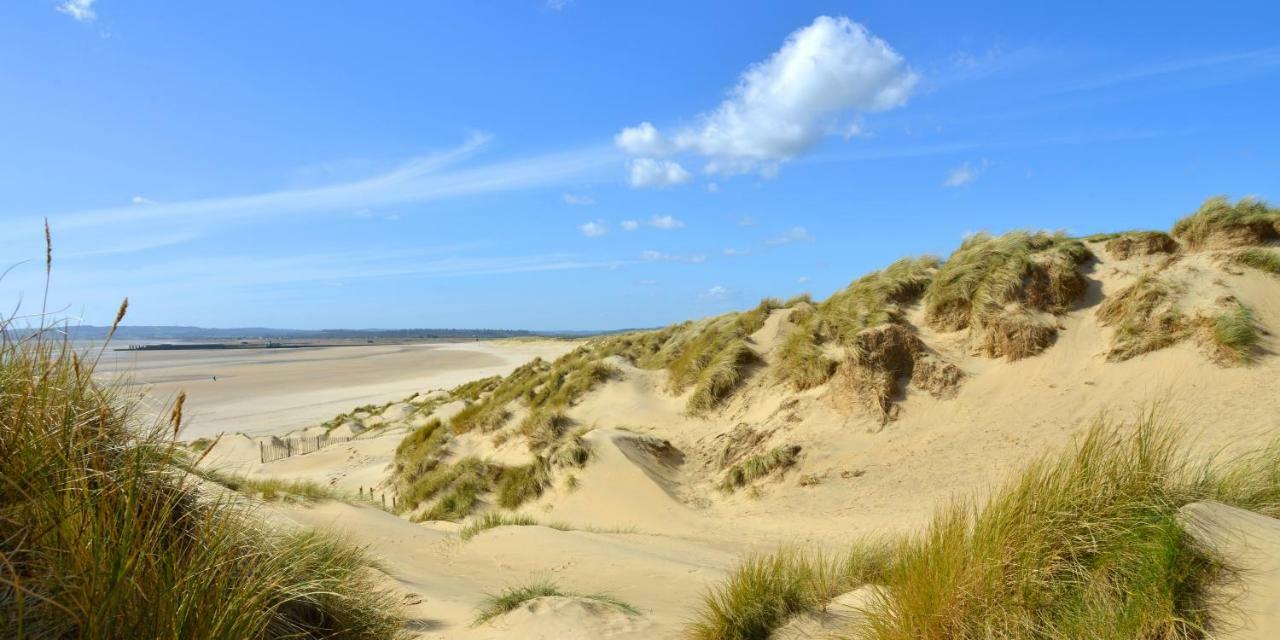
(1082, 544)
(511, 598)
(106, 537)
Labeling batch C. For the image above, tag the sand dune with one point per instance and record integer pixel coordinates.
(647, 521)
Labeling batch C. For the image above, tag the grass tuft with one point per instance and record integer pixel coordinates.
(517, 485)
(764, 591)
(1260, 259)
(720, 376)
(1219, 223)
(492, 521)
(106, 535)
(991, 283)
(801, 361)
(513, 597)
(1126, 245)
(1145, 317)
(759, 466)
(1233, 335)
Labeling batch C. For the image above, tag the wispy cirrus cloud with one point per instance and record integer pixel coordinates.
(425, 179)
(794, 234)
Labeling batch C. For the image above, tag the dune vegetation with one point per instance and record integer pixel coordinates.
(776, 460)
(1260, 259)
(106, 536)
(862, 345)
(1129, 244)
(1145, 318)
(1001, 288)
(765, 590)
(1219, 223)
(1082, 544)
(513, 597)
(1233, 335)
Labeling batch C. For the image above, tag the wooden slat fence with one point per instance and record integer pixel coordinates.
(289, 447)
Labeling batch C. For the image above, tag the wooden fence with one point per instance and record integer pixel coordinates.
(271, 451)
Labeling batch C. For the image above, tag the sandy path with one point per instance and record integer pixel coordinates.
(663, 576)
(262, 391)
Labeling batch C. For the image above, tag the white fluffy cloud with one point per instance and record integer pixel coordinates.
(80, 10)
(642, 140)
(783, 105)
(648, 172)
(593, 229)
(578, 199)
(630, 225)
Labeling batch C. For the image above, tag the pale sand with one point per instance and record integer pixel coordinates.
(261, 391)
(867, 478)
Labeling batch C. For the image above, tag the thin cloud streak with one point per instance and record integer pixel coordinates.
(1262, 58)
(420, 180)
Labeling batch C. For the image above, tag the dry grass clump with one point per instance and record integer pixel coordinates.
(541, 386)
(874, 299)
(456, 489)
(418, 455)
(758, 466)
(517, 485)
(990, 276)
(1218, 223)
(882, 359)
(1083, 544)
(764, 591)
(1232, 335)
(1015, 334)
(752, 321)
(513, 597)
(270, 489)
(1145, 317)
(801, 361)
(104, 536)
(493, 521)
(720, 376)
(569, 381)
(544, 427)
(795, 300)
(572, 452)
(1260, 259)
(482, 415)
(1140, 243)
(471, 391)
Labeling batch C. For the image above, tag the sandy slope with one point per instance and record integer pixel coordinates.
(861, 476)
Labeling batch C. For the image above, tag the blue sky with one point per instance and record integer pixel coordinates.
(586, 164)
